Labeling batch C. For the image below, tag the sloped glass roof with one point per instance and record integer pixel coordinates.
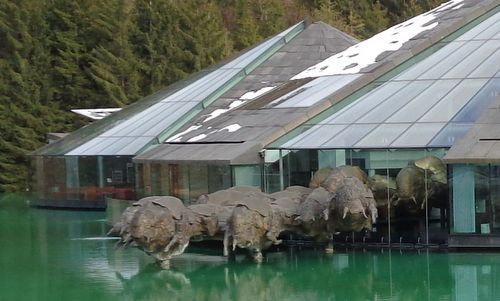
(159, 115)
(432, 103)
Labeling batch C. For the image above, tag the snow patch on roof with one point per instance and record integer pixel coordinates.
(197, 138)
(231, 128)
(96, 113)
(355, 58)
(216, 113)
(178, 137)
(255, 94)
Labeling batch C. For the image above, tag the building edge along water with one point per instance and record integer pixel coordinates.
(422, 110)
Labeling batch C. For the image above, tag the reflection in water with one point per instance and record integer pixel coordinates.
(58, 255)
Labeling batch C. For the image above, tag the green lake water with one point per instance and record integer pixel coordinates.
(64, 255)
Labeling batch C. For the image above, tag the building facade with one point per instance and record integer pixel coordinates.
(421, 93)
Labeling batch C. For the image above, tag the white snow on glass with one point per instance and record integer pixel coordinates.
(96, 114)
(255, 94)
(355, 58)
(178, 137)
(231, 128)
(216, 113)
(197, 138)
(244, 98)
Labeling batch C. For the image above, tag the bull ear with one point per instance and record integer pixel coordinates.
(325, 214)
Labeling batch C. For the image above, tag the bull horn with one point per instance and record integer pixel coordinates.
(346, 210)
(423, 205)
(325, 214)
(170, 244)
(226, 243)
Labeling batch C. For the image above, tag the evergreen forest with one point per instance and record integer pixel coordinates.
(58, 55)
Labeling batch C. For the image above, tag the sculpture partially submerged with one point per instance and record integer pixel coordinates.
(258, 220)
(352, 208)
(421, 184)
(341, 199)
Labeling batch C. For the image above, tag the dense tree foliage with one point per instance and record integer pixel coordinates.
(58, 55)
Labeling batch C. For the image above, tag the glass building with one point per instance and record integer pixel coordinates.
(419, 99)
(95, 162)
(445, 97)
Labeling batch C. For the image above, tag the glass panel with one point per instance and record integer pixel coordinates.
(179, 181)
(38, 178)
(429, 62)
(489, 67)
(447, 107)
(272, 170)
(367, 103)
(72, 181)
(140, 180)
(474, 108)
(412, 111)
(198, 181)
(161, 122)
(451, 60)
(385, 109)
(495, 198)
(382, 136)
(209, 87)
(321, 134)
(159, 179)
(466, 66)
(491, 31)
(478, 29)
(219, 177)
(349, 136)
(301, 164)
(317, 90)
(482, 199)
(331, 158)
(155, 178)
(199, 86)
(117, 146)
(118, 181)
(53, 186)
(133, 148)
(247, 175)
(463, 196)
(450, 134)
(418, 135)
(88, 172)
(135, 121)
(88, 145)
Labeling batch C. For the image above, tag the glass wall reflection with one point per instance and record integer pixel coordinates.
(410, 187)
(60, 255)
(476, 199)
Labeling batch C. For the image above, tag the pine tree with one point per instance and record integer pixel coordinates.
(22, 127)
(246, 30)
(70, 85)
(113, 67)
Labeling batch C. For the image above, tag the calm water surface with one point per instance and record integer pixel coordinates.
(64, 255)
